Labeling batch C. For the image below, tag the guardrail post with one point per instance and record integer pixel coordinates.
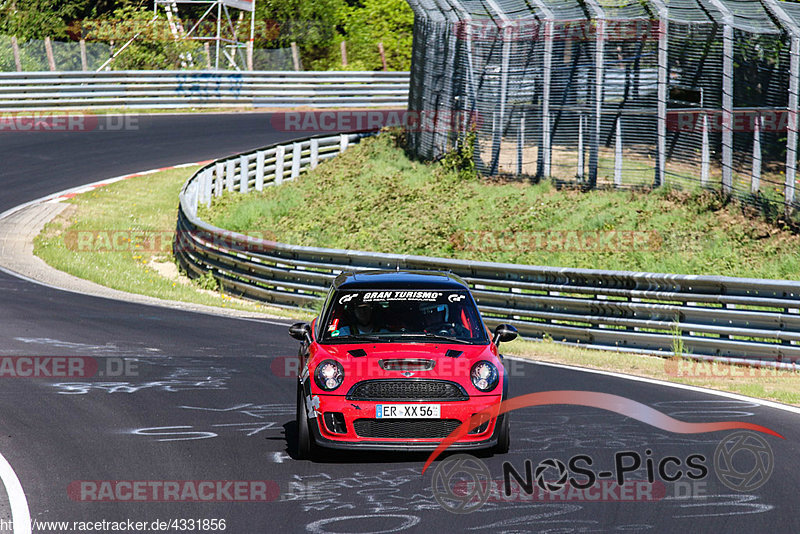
(218, 173)
(296, 154)
(280, 158)
(315, 152)
(205, 187)
(191, 194)
(230, 172)
(244, 174)
(260, 171)
(344, 139)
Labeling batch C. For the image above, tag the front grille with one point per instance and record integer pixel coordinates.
(405, 428)
(410, 389)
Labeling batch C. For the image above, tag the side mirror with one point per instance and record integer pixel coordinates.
(301, 332)
(504, 333)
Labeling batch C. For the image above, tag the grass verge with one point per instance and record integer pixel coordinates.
(120, 236)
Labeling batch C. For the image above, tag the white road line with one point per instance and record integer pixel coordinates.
(698, 389)
(20, 514)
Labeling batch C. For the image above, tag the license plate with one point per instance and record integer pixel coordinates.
(407, 411)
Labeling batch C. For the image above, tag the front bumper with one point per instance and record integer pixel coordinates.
(352, 410)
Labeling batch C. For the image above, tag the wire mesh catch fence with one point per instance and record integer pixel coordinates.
(629, 93)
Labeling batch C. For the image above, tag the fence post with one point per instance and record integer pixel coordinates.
(314, 153)
(520, 143)
(791, 130)
(755, 178)
(663, 43)
(581, 164)
(84, 61)
(776, 8)
(343, 47)
(497, 135)
(727, 109)
(547, 148)
(15, 50)
(244, 173)
(48, 49)
(618, 155)
(296, 155)
(705, 154)
(260, 171)
(280, 157)
(207, 50)
(295, 56)
(594, 153)
(343, 141)
(382, 53)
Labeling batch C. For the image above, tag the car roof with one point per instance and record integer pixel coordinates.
(379, 279)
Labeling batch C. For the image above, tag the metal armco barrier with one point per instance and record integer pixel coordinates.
(711, 315)
(178, 89)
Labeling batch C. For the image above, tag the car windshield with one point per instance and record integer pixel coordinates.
(442, 316)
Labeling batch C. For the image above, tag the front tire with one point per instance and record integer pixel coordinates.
(305, 442)
(503, 436)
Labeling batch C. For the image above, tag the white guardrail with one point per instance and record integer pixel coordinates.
(178, 89)
(743, 319)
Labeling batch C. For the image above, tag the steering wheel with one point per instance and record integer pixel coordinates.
(452, 329)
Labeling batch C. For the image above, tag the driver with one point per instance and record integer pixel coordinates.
(364, 319)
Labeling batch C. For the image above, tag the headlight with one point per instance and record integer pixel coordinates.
(329, 375)
(484, 376)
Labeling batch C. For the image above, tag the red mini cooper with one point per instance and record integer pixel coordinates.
(398, 360)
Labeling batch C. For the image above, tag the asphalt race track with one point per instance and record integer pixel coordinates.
(206, 402)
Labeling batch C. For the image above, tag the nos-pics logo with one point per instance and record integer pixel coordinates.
(461, 484)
